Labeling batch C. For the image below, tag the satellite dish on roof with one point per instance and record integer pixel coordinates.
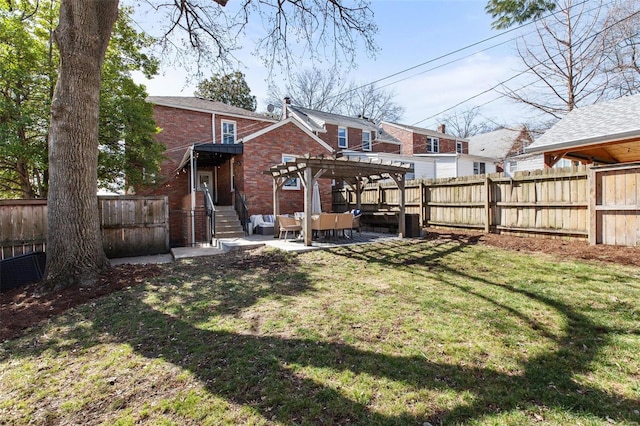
(270, 108)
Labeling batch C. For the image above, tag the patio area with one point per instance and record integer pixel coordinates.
(298, 245)
(249, 242)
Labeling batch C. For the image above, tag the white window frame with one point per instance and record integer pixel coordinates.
(292, 184)
(459, 147)
(345, 138)
(228, 134)
(478, 166)
(433, 144)
(209, 176)
(366, 144)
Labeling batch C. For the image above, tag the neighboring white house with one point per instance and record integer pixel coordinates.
(457, 165)
(507, 146)
(424, 167)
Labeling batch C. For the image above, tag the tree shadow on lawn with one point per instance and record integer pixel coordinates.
(261, 372)
(548, 379)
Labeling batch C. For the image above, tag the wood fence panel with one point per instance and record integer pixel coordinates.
(134, 226)
(616, 205)
(23, 227)
(131, 226)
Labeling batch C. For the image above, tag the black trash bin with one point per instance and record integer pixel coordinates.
(412, 225)
(18, 270)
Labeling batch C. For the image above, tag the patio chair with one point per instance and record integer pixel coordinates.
(324, 222)
(344, 221)
(288, 224)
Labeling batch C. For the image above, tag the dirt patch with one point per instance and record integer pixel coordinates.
(560, 248)
(22, 308)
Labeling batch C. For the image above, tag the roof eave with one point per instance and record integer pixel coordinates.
(618, 137)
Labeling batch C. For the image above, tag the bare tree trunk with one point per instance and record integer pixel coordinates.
(74, 244)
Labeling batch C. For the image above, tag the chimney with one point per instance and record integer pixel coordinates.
(285, 111)
(441, 128)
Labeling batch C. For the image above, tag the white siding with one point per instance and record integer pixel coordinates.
(446, 167)
(465, 167)
(532, 163)
(424, 169)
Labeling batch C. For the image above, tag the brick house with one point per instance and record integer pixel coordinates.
(417, 140)
(219, 152)
(343, 133)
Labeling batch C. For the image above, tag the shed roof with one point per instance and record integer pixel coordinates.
(607, 132)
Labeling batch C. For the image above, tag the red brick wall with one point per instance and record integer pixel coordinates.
(389, 148)
(403, 136)
(354, 140)
(265, 151)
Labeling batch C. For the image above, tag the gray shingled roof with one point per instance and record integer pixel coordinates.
(316, 119)
(204, 105)
(496, 144)
(602, 122)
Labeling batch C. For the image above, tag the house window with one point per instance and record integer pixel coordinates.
(366, 140)
(459, 147)
(204, 178)
(411, 175)
(342, 137)
(292, 183)
(433, 144)
(479, 168)
(228, 132)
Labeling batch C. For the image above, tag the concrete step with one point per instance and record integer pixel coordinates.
(229, 234)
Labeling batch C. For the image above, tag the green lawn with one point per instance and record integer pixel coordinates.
(410, 332)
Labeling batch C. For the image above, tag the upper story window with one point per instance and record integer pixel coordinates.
(343, 141)
(366, 140)
(459, 147)
(228, 131)
(479, 168)
(433, 144)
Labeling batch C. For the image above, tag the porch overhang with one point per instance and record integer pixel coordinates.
(211, 154)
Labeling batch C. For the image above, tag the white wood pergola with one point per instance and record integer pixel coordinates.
(356, 172)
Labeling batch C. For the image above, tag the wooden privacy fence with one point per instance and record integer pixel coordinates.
(23, 227)
(131, 226)
(601, 203)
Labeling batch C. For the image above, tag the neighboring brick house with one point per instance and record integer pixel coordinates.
(228, 148)
(417, 140)
(342, 132)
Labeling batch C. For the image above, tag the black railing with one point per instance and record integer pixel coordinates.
(211, 210)
(242, 210)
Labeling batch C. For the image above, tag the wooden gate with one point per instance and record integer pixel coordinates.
(615, 205)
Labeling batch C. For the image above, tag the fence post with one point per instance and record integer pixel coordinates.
(593, 228)
(487, 204)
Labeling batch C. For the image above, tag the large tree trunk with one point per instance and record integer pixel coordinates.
(74, 244)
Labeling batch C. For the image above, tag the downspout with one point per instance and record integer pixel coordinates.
(215, 168)
(193, 198)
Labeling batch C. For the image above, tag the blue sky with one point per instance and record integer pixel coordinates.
(411, 32)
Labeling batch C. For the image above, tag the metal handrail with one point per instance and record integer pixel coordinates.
(211, 208)
(242, 210)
